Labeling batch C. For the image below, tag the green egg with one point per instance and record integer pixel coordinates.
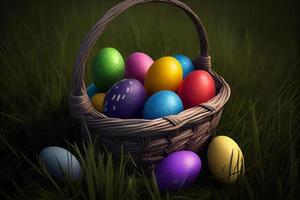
(107, 68)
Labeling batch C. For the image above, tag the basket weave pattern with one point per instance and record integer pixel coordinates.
(148, 141)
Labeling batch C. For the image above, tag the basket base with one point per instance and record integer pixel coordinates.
(149, 151)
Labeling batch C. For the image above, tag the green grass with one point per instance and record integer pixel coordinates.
(254, 46)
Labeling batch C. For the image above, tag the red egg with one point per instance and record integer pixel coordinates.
(179, 87)
(198, 87)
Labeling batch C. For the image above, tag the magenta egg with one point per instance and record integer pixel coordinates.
(178, 170)
(125, 99)
(137, 65)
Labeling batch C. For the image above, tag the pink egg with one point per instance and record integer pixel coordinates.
(137, 65)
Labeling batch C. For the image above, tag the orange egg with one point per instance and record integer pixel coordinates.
(164, 74)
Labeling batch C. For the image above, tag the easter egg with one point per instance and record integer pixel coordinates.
(60, 163)
(125, 99)
(186, 64)
(97, 101)
(137, 65)
(178, 170)
(198, 87)
(162, 103)
(92, 90)
(225, 159)
(164, 74)
(107, 68)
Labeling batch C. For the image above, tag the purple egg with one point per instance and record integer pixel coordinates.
(178, 170)
(137, 65)
(125, 99)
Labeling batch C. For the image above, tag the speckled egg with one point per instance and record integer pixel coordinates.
(178, 170)
(60, 163)
(137, 65)
(125, 99)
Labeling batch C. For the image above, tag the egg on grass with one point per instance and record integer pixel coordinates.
(60, 163)
(177, 171)
(225, 159)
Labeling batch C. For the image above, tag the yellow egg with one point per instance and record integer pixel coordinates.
(164, 74)
(225, 159)
(97, 101)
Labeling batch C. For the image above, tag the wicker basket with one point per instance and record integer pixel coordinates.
(148, 141)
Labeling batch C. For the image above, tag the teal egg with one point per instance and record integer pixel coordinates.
(92, 90)
(162, 103)
(107, 68)
(186, 64)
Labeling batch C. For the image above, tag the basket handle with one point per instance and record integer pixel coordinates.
(203, 60)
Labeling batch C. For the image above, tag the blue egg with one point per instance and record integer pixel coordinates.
(60, 163)
(92, 90)
(162, 103)
(186, 64)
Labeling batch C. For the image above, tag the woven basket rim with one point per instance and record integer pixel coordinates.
(208, 106)
(95, 119)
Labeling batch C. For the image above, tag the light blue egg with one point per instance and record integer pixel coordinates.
(60, 163)
(162, 103)
(92, 90)
(186, 64)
